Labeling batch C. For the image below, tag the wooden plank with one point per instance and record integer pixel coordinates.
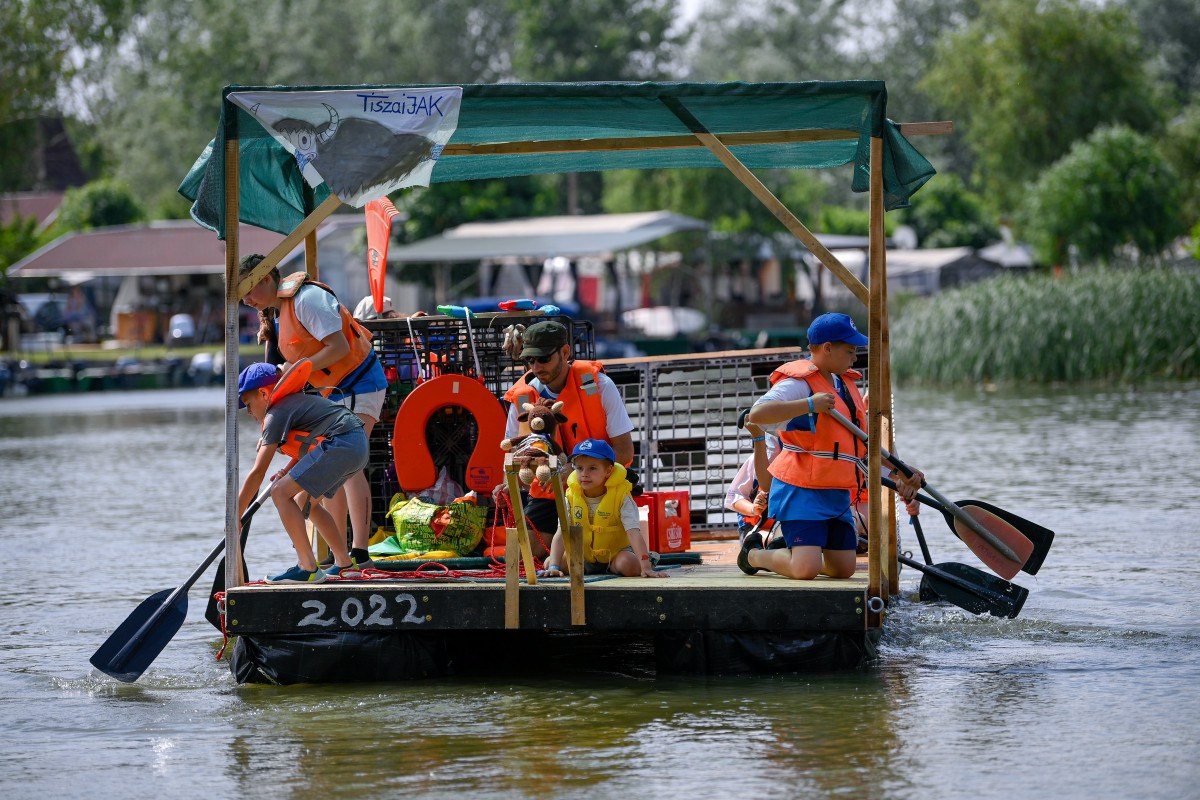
(926, 128)
(281, 251)
(644, 143)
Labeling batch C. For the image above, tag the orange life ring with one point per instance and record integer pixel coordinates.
(414, 463)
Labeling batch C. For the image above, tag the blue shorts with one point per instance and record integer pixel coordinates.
(828, 534)
(331, 463)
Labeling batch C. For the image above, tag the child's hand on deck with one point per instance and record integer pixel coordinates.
(649, 572)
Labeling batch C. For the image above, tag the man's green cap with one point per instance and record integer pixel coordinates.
(543, 338)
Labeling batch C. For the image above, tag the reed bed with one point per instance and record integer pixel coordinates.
(1103, 325)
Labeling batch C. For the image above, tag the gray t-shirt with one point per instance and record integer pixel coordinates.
(306, 412)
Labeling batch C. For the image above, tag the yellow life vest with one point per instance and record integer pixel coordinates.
(605, 536)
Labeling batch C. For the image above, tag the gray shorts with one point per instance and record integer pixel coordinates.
(331, 463)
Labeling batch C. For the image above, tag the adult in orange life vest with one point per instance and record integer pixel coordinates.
(591, 403)
(338, 450)
(821, 465)
(305, 320)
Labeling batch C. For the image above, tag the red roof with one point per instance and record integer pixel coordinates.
(169, 247)
(41, 205)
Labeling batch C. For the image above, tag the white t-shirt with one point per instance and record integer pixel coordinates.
(318, 311)
(616, 417)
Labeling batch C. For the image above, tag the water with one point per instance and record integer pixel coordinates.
(1090, 693)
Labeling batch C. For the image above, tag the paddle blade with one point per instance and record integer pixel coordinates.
(1041, 537)
(973, 590)
(1003, 531)
(144, 645)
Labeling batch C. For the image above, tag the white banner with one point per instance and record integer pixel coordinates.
(363, 143)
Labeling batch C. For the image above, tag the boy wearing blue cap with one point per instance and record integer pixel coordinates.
(821, 464)
(328, 445)
(598, 501)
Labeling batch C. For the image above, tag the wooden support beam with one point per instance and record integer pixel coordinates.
(573, 539)
(642, 143)
(516, 549)
(875, 528)
(281, 251)
(926, 128)
(233, 560)
(617, 144)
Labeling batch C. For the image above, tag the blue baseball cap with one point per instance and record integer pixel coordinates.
(256, 376)
(596, 448)
(835, 328)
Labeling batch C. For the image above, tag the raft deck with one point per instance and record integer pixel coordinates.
(706, 617)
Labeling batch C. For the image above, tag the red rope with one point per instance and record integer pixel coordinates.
(220, 598)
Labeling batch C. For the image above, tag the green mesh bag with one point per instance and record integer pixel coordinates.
(413, 521)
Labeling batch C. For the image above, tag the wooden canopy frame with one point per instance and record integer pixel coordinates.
(883, 566)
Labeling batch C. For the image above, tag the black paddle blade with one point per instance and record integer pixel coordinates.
(973, 590)
(1041, 537)
(143, 648)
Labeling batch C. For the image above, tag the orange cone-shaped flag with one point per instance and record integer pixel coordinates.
(379, 230)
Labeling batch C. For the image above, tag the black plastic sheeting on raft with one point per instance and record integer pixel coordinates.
(352, 657)
(763, 652)
(339, 658)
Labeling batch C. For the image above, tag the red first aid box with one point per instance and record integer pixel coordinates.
(669, 528)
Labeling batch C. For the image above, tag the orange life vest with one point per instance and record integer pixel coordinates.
(830, 456)
(581, 405)
(295, 342)
(294, 380)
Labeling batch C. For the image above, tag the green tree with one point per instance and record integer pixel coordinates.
(1028, 78)
(98, 204)
(947, 214)
(18, 239)
(1171, 30)
(42, 46)
(1111, 190)
(158, 94)
(1180, 145)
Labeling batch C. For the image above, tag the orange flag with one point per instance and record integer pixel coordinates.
(379, 230)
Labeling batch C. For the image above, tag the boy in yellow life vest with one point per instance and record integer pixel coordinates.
(331, 446)
(598, 501)
(821, 464)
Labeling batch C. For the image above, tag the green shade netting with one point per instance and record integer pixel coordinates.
(274, 196)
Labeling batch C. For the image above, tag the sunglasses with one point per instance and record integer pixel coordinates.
(539, 359)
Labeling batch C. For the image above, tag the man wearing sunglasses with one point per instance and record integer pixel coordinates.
(591, 402)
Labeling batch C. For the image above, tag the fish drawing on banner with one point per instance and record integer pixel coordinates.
(362, 143)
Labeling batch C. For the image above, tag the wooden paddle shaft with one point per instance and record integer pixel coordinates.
(957, 512)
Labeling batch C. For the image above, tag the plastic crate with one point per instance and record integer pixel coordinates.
(667, 532)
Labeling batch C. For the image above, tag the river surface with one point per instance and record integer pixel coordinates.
(1091, 693)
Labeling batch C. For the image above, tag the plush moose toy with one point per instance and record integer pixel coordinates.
(531, 451)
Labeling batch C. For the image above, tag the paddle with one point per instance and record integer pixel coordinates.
(970, 589)
(997, 544)
(1041, 537)
(916, 523)
(135, 644)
